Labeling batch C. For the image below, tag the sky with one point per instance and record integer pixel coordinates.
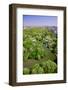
(34, 20)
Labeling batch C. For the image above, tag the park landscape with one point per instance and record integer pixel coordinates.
(39, 45)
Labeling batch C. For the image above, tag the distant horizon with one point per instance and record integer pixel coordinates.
(40, 26)
(39, 21)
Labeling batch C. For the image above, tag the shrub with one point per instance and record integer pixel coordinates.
(26, 71)
(38, 44)
(40, 70)
(34, 71)
(49, 66)
(37, 69)
(36, 66)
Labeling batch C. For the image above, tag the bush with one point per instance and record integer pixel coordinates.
(37, 45)
(49, 66)
(42, 67)
(37, 69)
(26, 71)
(40, 70)
(34, 71)
(36, 66)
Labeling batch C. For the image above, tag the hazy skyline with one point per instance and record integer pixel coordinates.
(34, 20)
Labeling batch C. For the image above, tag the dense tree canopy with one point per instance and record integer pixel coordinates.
(39, 44)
